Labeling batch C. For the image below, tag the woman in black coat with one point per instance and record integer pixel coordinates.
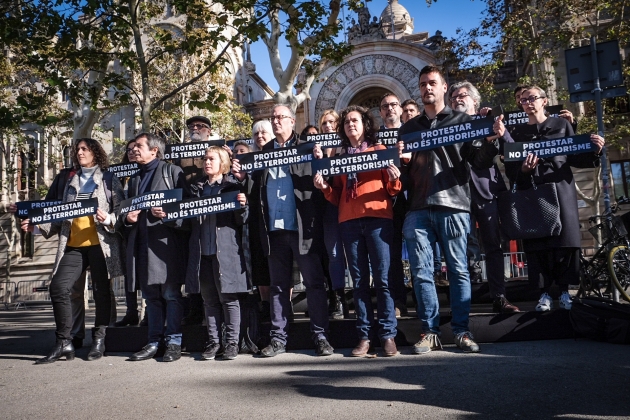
(555, 257)
(216, 263)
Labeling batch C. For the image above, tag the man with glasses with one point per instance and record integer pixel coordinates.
(485, 186)
(410, 109)
(199, 129)
(439, 206)
(290, 208)
(391, 111)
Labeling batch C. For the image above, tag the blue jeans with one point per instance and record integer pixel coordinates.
(334, 247)
(158, 295)
(450, 229)
(367, 241)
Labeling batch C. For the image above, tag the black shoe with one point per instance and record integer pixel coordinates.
(501, 305)
(98, 349)
(147, 352)
(323, 348)
(210, 351)
(62, 348)
(77, 343)
(273, 349)
(173, 352)
(129, 320)
(231, 351)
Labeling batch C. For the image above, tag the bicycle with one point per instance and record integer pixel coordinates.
(610, 266)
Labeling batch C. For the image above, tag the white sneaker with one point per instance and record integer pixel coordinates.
(544, 303)
(565, 301)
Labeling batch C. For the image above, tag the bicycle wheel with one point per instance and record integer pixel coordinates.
(619, 266)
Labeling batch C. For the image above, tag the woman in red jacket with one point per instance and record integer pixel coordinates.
(365, 221)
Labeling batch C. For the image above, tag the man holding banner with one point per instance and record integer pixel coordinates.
(156, 250)
(544, 151)
(290, 209)
(439, 203)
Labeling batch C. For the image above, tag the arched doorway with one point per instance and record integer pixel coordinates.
(371, 99)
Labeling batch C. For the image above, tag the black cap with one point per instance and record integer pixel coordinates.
(200, 118)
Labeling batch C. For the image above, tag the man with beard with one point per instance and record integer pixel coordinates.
(485, 185)
(439, 206)
(391, 111)
(199, 129)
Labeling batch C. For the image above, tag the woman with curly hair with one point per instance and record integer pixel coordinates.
(365, 221)
(85, 241)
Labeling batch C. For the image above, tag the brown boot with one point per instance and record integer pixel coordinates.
(362, 349)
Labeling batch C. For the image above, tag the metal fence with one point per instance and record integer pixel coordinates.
(31, 290)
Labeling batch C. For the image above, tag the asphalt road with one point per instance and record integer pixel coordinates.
(526, 380)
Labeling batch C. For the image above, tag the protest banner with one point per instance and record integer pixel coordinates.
(518, 151)
(24, 207)
(387, 136)
(63, 211)
(448, 135)
(190, 150)
(230, 143)
(199, 206)
(325, 140)
(358, 162)
(264, 159)
(124, 169)
(150, 199)
(520, 117)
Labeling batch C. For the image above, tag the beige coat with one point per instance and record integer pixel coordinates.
(110, 240)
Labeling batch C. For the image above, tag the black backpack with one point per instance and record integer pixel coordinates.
(601, 319)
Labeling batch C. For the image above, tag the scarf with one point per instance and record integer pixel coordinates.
(351, 183)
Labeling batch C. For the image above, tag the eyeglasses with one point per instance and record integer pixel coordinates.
(279, 118)
(531, 99)
(391, 104)
(460, 96)
(194, 126)
(129, 150)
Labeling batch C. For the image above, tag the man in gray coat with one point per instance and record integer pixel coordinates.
(156, 251)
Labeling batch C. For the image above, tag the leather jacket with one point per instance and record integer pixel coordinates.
(440, 176)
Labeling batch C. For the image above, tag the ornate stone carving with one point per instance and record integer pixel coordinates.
(375, 64)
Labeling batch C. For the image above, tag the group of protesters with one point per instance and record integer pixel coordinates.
(252, 223)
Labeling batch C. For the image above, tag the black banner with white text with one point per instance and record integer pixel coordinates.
(150, 199)
(515, 152)
(325, 140)
(190, 150)
(24, 208)
(64, 211)
(124, 169)
(448, 135)
(254, 161)
(202, 205)
(358, 162)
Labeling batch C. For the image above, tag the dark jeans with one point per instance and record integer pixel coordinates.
(367, 241)
(72, 264)
(77, 302)
(284, 246)
(157, 297)
(220, 307)
(396, 277)
(334, 247)
(487, 214)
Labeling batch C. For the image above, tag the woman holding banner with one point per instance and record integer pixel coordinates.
(216, 263)
(338, 306)
(555, 257)
(85, 241)
(365, 220)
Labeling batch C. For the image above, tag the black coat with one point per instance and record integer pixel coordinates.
(167, 242)
(229, 243)
(309, 202)
(558, 171)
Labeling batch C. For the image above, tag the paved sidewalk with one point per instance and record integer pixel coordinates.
(526, 380)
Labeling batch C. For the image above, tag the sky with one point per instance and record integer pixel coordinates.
(444, 15)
